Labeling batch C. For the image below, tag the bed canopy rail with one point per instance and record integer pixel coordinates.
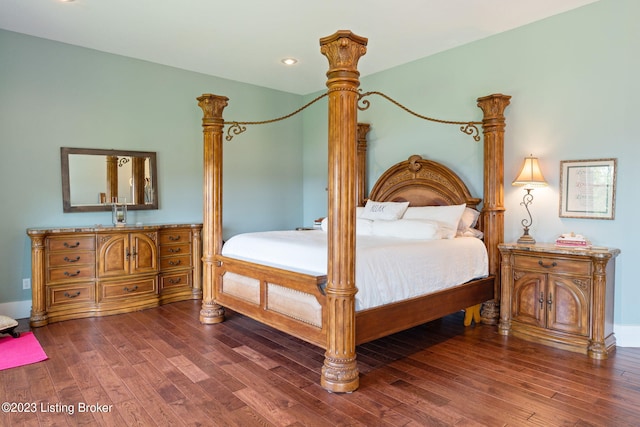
(346, 190)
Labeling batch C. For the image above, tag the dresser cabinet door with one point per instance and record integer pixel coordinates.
(113, 255)
(123, 253)
(144, 255)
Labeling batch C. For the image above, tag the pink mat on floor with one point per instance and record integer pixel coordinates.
(20, 351)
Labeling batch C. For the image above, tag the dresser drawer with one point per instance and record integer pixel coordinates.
(180, 261)
(172, 250)
(170, 281)
(70, 243)
(65, 259)
(62, 295)
(556, 265)
(169, 237)
(129, 288)
(71, 272)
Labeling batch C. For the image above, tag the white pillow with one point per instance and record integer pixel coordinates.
(363, 226)
(389, 211)
(419, 229)
(447, 217)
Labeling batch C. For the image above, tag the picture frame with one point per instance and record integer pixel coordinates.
(588, 188)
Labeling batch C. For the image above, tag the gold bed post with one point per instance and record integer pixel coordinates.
(342, 49)
(493, 124)
(212, 124)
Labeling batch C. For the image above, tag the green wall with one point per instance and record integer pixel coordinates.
(54, 95)
(575, 92)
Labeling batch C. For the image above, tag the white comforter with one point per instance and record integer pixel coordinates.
(388, 269)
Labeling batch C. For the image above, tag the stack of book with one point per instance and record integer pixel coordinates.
(573, 240)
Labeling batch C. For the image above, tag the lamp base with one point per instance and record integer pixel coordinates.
(526, 239)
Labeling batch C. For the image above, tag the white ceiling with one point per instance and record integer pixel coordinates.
(244, 40)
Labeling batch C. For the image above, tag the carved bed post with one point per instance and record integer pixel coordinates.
(493, 124)
(343, 50)
(361, 179)
(212, 124)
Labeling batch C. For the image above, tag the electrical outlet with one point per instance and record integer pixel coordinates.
(26, 283)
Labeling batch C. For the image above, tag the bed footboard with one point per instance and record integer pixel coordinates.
(290, 301)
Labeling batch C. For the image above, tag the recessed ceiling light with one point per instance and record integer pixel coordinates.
(289, 61)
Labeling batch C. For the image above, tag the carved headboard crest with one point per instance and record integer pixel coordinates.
(414, 163)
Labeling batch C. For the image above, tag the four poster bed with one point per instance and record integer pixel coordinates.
(329, 302)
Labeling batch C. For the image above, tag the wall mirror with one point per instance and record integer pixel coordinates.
(93, 179)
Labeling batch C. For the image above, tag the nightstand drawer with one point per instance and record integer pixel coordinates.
(555, 265)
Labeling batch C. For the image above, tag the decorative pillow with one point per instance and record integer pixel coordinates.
(471, 232)
(388, 211)
(469, 219)
(363, 226)
(447, 217)
(418, 229)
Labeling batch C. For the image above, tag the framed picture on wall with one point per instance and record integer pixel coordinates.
(588, 188)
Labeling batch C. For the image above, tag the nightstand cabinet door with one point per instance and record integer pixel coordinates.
(528, 298)
(568, 304)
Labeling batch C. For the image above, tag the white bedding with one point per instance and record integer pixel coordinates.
(388, 269)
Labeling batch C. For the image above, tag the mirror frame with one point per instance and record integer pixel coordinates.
(66, 185)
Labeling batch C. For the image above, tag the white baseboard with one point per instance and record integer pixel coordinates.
(627, 335)
(16, 309)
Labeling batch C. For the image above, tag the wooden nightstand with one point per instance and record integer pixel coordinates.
(561, 297)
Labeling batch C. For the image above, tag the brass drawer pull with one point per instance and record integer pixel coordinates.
(66, 245)
(174, 238)
(175, 281)
(66, 273)
(68, 295)
(175, 250)
(126, 289)
(553, 264)
(72, 260)
(174, 263)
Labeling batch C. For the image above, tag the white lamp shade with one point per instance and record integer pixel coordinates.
(530, 175)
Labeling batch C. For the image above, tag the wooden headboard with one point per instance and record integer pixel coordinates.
(422, 182)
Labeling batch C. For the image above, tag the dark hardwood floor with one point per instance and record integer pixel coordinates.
(162, 367)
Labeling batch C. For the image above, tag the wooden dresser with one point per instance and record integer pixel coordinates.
(562, 297)
(98, 271)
